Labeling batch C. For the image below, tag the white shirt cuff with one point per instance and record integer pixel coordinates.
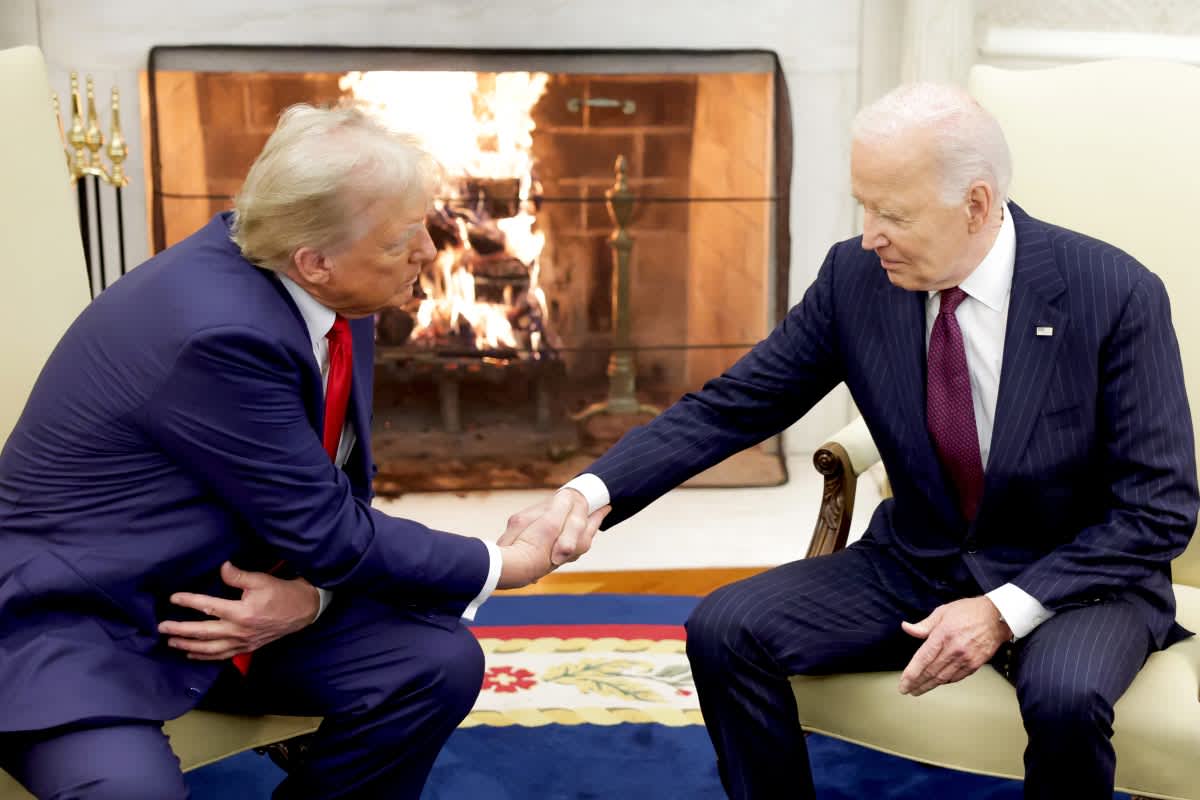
(495, 562)
(325, 596)
(592, 489)
(1019, 609)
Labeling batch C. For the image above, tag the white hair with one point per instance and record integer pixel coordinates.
(969, 144)
(317, 175)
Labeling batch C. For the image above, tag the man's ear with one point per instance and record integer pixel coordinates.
(979, 206)
(312, 265)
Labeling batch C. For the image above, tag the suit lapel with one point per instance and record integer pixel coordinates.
(1028, 357)
(358, 464)
(297, 336)
(359, 461)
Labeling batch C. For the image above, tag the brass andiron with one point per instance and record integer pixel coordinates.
(622, 376)
(83, 145)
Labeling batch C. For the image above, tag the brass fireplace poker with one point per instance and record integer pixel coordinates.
(83, 145)
(622, 376)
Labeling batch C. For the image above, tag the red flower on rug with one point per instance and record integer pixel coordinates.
(507, 679)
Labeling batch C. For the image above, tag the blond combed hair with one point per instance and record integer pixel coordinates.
(316, 178)
(969, 143)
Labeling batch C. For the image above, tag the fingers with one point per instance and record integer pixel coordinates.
(242, 579)
(923, 628)
(207, 604)
(205, 629)
(214, 650)
(937, 662)
(519, 522)
(918, 669)
(208, 640)
(949, 671)
(574, 538)
(537, 513)
(544, 529)
(565, 551)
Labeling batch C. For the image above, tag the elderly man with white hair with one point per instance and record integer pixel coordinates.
(213, 408)
(1024, 387)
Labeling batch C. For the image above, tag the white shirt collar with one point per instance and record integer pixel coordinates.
(991, 282)
(317, 318)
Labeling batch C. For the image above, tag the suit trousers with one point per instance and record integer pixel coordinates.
(392, 684)
(842, 613)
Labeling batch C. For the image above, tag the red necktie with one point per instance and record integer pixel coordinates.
(949, 412)
(337, 390)
(337, 397)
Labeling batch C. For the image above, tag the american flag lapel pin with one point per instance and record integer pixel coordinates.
(1044, 330)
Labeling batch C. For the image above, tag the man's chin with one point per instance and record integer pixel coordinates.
(903, 281)
(402, 300)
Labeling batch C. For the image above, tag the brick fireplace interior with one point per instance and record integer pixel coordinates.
(700, 136)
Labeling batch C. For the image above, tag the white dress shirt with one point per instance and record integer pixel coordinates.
(982, 316)
(319, 321)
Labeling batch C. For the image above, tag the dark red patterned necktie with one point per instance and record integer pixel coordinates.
(337, 397)
(949, 412)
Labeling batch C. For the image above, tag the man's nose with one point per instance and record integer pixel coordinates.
(872, 236)
(426, 250)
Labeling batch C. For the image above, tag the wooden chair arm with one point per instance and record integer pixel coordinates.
(837, 499)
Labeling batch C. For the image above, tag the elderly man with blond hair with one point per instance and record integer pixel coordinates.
(212, 409)
(1024, 387)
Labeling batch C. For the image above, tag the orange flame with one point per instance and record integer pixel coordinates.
(478, 125)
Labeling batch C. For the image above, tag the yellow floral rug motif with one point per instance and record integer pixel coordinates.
(574, 681)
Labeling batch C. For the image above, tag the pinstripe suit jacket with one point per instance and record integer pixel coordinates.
(1090, 486)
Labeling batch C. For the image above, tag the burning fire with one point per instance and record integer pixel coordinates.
(482, 290)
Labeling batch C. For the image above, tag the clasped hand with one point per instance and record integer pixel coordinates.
(269, 609)
(960, 637)
(545, 536)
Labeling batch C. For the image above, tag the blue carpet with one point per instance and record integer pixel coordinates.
(631, 762)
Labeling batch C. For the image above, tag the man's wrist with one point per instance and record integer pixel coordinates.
(593, 489)
(1020, 611)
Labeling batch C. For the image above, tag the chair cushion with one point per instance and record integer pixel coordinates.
(975, 725)
(202, 737)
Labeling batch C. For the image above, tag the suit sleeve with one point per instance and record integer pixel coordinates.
(230, 412)
(767, 390)
(1148, 452)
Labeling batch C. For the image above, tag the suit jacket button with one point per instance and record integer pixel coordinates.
(193, 691)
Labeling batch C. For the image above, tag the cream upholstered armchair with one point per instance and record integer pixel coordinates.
(44, 288)
(1108, 149)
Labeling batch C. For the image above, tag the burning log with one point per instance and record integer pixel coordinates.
(496, 265)
(486, 238)
(443, 228)
(393, 326)
(493, 197)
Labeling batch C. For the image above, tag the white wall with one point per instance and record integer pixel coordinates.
(818, 43)
(1020, 34)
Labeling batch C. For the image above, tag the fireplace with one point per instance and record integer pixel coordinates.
(487, 382)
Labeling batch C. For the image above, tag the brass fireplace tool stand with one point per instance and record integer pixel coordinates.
(621, 374)
(83, 144)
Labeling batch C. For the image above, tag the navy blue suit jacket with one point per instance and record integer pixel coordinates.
(1090, 487)
(177, 425)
